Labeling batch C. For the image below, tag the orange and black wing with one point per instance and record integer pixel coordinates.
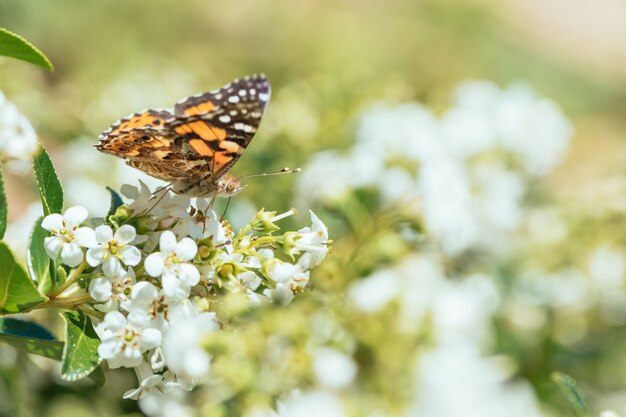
(218, 126)
(145, 142)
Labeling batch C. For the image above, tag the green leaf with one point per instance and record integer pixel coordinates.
(49, 185)
(98, 376)
(80, 355)
(31, 337)
(3, 208)
(17, 47)
(570, 391)
(17, 292)
(37, 259)
(116, 201)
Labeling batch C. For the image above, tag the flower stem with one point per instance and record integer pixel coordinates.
(70, 280)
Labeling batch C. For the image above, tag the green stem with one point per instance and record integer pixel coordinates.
(64, 303)
(70, 280)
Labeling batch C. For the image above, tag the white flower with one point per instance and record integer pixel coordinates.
(112, 291)
(149, 383)
(311, 404)
(124, 340)
(313, 241)
(18, 139)
(183, 343)
(67, 237)
(140, 195)
(289, 279)
(333, 369)
(172, 264)
(113, 250)
(148, 302)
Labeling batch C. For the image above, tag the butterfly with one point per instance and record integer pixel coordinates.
(194, 145)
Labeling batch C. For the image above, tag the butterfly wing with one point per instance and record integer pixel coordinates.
(199, 141)
(145, 142)
(218, 126)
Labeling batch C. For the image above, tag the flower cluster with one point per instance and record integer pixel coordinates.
(464, 173)
(18, 140)
(154, 269)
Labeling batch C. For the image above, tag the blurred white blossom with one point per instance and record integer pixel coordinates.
(18, 140)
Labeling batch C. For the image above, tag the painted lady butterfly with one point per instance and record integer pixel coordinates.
(193, 146)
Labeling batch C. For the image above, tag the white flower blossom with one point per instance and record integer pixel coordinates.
(125, 339)
(313, 241)
(18, 140)
(183, 343)
(173, 265)
(67, 236)
(149, 383)
(112, 250)
(112, 291)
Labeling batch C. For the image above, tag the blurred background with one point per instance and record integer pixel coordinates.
(478, 226)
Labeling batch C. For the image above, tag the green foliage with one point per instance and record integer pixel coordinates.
(17, 292)
(116, 201)
(80, 355)
(17, 47)
(49, 185)
(31, 337)
(37, 259)
(570, 391)
(3, 208)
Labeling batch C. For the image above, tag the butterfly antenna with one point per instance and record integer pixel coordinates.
(285, 170)
(225, 209)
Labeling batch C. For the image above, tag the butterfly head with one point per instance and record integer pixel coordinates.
(229, 185)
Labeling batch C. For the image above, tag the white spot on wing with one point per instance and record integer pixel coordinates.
(233, 99)
(263, 96)
(225, 118)
(243, 93)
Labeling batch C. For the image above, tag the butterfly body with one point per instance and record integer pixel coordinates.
(193, 146)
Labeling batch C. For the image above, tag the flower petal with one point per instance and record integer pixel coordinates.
(74, 216)
(154, 264)
(130, 255)
(169, 283)
(186, 249)
(104, 234)
(125, 234)
(111, 266)
(53, 222)
(150, 338)
(115, 321)
(95, 255)
(100, 289)
(167, 242)
(189, 274)
(85, 237)
(53, 246)
(109, 348)
(71, 254)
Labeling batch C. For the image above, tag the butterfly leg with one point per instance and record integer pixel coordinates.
(164, 191)
(225, 209)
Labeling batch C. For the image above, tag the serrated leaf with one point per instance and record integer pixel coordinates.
(17, 292)
(80, 355)
(49, 185)
(37, 258)
(31, 337)
(3, 208)
(17, 47)
(116, 201)
(570, 391)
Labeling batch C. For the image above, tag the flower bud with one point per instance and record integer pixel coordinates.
(263, 222)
